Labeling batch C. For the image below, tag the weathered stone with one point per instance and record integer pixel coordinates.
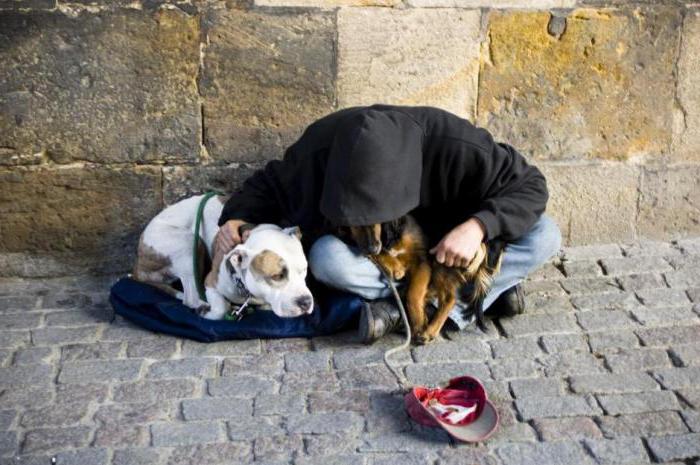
(557, 429)
(21, 320)
(183, 181)
(127, 90)
(597, 320)
(354, 401)
(154, 391)
(608, 195)
(672, 378)
(589, 285)
(691, 396)
(533, 78)
(387, 413)
(682, 279)
(281, 447)
(508, 368)
(522, 325)
(430, 374)
(554, 343)
(635, 282)
(86, 237)
(26, 374)
(136, 456)
(134, 413)
(265, 364)
(437, 352)
(371, 377)
(241, 386)
(97, 350)
(543, 303)
(269, 109)
(629, 265)
(608, 301)
(547, 271)
(192, 367)
(663, 297)
(57, 336)
(55, 415)
(673, 447)
(81, 393)
(619, 451)
(309, 382)
(666, 316)
(33, 355)
(655, 401)
(591, 252)
(559, 406)
(362, 356)
(212, 409)
(526, 347)
(308, 361)
(646, 248)
(688, 354)
(175, 434)
(692, 418)
(11, 339)
(613, 383)
(216, 453)
(25, 396)
(581, 268)
(637, 359)
(254, 428)
(50, 439)
(8, 443)
(669, 335)
(274, 404)
(87, 456)
(115, 435)
(559, 452)
(162, 348)
(668, 202)
(219, 349)
(99, 371)
(602, 341)
(538, 387)
(686, 137)
(642, 424)
(570, 363)
(410, 57)
(327, 444)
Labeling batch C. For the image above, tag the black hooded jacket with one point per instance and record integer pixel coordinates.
(366, 165)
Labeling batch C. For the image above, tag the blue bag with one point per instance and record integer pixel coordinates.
(153, 309)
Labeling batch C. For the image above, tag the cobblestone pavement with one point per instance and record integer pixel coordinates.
(603, 369)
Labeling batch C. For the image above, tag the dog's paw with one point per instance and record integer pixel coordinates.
(399, 273)
(202, 310)
(424, 337)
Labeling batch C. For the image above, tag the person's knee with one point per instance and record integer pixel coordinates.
(326, 263)
(548, 241)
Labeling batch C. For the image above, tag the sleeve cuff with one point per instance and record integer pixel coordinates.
(490, 222)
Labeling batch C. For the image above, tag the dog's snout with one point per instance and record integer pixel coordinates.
(305, 303)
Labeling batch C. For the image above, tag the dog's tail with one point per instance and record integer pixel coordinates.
(481, 270)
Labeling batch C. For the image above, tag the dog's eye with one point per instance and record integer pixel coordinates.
(281, 275)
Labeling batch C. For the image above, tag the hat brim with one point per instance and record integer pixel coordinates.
(479, 430)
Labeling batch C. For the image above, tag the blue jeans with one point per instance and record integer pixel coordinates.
(340, 266)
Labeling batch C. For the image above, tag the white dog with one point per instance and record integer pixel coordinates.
(268, 269)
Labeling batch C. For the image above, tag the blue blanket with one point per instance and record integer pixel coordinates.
(153, 309)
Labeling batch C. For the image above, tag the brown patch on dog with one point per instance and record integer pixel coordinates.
(151, 265)
(268, 264)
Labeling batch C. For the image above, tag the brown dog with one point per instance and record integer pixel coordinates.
(401, 249)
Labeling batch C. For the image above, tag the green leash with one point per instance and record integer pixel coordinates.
(199, 280)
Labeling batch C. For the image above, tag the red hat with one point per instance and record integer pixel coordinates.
(462, 409)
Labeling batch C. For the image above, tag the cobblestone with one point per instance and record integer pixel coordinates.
(602, 369)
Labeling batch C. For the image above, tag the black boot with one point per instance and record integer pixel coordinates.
(377, 318)
(510, 303)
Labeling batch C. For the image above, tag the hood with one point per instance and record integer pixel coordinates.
(374, 169)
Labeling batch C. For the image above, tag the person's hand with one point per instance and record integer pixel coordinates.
(460, 245)
(228, 236)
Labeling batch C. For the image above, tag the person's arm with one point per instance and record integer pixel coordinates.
(515, 199)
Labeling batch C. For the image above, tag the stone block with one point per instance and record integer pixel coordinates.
(12, 339)
(212, 409)
(668, 202)
(254, 428)
(85, 237)
(284, 404)
(673, 378)
(682, 279)
(607, 301)
(537, 85)
(537, 387)
(686, 137)
(618, 451)
(309, 382)
(26, 374)
(409, 57)
(523, 325)
(655, 401)
(581, 268)
(96, 350)
(127, 89)
(439, 351)
(590, 285)
(132, 413)
(99, 371)
(607, 193)
(666, 316)
(344, 359)
(115, 435)
(308, 361)
(612, 383)
(429, 374)
(668, 335)
(87, 456)
(187, 367)
(264, 364)
(642, 359)
(570, 363)
(180, 434)
(555, 343)
(278, 448)
(33, 355)
(213, 453)
(265, 78)
(559, 406)
(526, 347)
(218, 349)
(675, 447)
(162, 348)
(641, 281)
(58, 336)
(136, 456)
(332, 422)
(241, 386)
(52, 439)
(184, 181)
(559, 452)
(630, 265)
(354, 401)
(642, 424)
(592, 252)
(509, 368)
(154, 391)
(597, 320)
(54, 415)
(575, 428)
(688, 354)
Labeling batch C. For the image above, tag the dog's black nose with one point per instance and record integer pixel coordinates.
(305, 302)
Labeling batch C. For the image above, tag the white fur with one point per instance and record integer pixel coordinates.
(171, 234)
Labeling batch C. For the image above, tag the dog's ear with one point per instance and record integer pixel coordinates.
(293, 231)
(392, 231)
(236, 259)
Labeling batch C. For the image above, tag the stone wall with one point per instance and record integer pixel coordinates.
(110, 110)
